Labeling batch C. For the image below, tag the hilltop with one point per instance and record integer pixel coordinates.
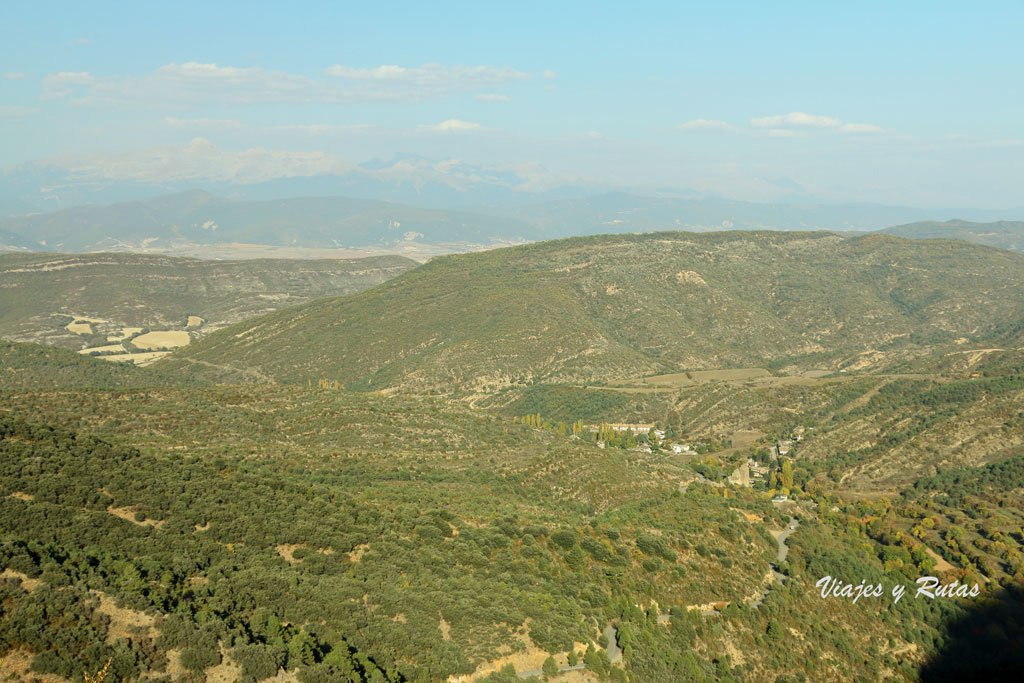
(98, 300)
(602, 308)
(1002, 234)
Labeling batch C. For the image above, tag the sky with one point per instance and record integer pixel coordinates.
(913, 103)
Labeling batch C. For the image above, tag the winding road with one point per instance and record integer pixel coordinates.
(780, 557)
(611, 633)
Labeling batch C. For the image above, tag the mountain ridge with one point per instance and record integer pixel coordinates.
(598, 308)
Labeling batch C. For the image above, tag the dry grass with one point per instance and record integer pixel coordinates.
(79, 327)
(941, 565)
(26, 583)
(138, 358)
(358, 552)
(225, 672)
(16, 666)
(287, 550)
(124, 334)
(123, 621)
(168, 339)
(129, 515)
(111, 348)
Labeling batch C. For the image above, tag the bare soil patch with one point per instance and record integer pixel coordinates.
(358, 552)
(129, 515)
(123, 620)
(26, 583)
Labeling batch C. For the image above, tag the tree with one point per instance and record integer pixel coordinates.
(550, 666)
(787, 475)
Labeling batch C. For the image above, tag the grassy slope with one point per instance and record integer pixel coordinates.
(160, 291)
(607, 307)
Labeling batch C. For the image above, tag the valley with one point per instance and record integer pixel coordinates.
(557, 455)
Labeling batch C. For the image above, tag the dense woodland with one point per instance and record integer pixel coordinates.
(361, 537)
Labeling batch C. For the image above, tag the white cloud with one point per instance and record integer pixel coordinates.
(80, 41)
(422, 82)
(493, 97)
(200, 160)
(548, 73)
(14, 111)
(796, 119)
(860, 128)
(15, 76)
(209, 125)
(64, 83)
(204, 123)
(193, 83)
(800, 120)
(453, 126)
(319, 128)
(706, 124)
(782, 133)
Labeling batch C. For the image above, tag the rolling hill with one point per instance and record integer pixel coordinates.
(194, 221)
(197, 217)
(36, 367)
(42, 293)
(601, 308)
(1002, 234)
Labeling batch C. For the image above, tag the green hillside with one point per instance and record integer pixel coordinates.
(40, 368)
(42, 293)
(239, 531)
(600, 309)
(1002, 234)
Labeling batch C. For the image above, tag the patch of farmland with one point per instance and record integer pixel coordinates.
(168, 339)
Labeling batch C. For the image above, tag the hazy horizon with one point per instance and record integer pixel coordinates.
(903, 105)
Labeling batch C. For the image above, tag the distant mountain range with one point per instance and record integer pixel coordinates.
(178, 222)
(256, 174)
(1002, 234)
(197, 217)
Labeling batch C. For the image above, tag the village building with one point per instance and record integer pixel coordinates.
(740, 476)
(622, 427)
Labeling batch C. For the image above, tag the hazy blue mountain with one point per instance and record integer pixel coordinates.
(1002, 234)
(276, 217)
(620, 212)
(64, 183)
(10, 241)
(198, 217)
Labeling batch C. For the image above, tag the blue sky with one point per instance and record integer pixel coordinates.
(908, 103)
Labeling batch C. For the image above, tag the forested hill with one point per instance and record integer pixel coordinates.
(600, 308)
(36, 367)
